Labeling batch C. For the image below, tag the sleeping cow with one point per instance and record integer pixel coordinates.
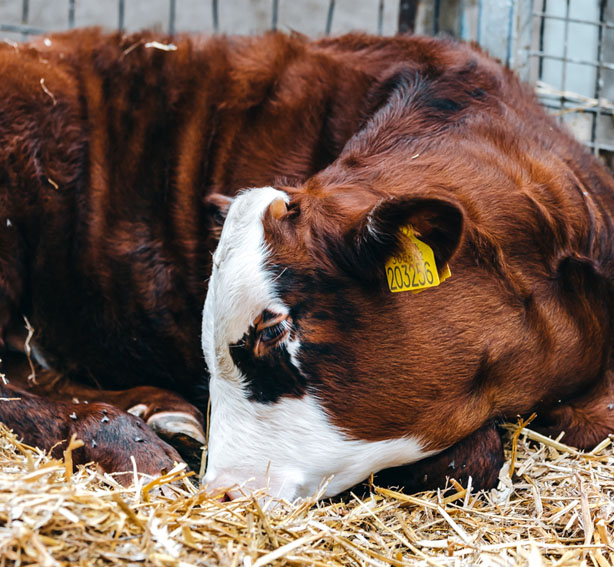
(451, 268)
(115, 151)
(117, 157)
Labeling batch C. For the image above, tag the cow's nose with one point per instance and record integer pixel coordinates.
(224, 494)
(232, 485)
(222, 487)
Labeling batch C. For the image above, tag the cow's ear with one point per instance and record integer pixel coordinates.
(216, 207)
(378, 235)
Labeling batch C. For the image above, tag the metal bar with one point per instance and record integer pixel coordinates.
(171, 16)
(215, 15)
(436, 10)
(542, 29)
(554, 105)
(544, 90)
(25, 16)
(480, 11)
(24, 30)
(600, 146)
(494, 27)
(275, 15)
(407, 16)
(71, 14)
(607, 25)
(121, 7)
(565, 51)
(604, 65)
(329, 16)
(380, 17)
(523, 35)
(598, 85)
(510, 34)
(551, 101)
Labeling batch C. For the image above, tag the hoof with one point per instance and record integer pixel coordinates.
(183, 432)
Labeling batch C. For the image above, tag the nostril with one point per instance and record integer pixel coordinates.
(223, 494)
(225, 487)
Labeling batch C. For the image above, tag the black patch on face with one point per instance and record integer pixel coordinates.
(268, 377)
(272, 376)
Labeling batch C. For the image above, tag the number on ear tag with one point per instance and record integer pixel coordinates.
(414, 269)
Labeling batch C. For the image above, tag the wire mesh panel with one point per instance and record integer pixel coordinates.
(564, 47)
(574, 67)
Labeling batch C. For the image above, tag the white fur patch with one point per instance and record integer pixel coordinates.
(289, 446)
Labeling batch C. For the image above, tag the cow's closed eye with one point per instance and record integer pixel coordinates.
(270, 332)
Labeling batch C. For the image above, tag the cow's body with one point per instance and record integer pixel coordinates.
(329, 374)
(109, 147)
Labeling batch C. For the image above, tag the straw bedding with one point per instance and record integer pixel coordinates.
(556, 508)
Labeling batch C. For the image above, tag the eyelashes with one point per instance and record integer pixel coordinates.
(271, 332)
(274, 333)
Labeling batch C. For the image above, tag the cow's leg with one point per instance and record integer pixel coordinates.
(479, 456)
(586, 421)
(175, 420)
(110, 436)
(168, 414)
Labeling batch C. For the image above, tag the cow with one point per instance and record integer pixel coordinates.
(119, 156)
(451, 268)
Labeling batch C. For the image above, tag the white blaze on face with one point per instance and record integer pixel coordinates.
(290, 446)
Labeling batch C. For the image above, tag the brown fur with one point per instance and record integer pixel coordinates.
(523, 214)
(109, 150)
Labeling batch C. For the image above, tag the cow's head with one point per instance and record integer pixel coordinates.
(317, 369)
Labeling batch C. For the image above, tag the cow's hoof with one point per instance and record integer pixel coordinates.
(183, 431)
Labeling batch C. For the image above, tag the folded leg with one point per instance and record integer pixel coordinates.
(479, 456)
(110, 436)
(169, 415)
(586, 421)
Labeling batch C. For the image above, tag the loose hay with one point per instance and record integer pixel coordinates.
(557, 508)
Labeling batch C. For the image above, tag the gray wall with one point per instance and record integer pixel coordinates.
(236, 16)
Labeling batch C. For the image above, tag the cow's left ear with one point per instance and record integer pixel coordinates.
(436, 221)
(216, 207)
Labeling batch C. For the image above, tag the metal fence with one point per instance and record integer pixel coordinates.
(564, 47)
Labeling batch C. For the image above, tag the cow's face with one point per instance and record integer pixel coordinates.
(313, 372)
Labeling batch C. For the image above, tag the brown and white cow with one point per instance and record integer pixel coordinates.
(322, 369)
(115, 153)
(113, 150)
(110, 147)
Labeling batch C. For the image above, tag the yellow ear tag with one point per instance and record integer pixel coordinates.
(414, 269)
